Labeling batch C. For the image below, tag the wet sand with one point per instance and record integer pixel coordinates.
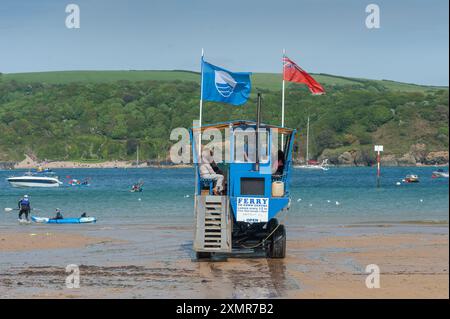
(411, 266)
(321, 262)
(37, 240)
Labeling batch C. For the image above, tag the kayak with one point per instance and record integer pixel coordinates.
(80, 220)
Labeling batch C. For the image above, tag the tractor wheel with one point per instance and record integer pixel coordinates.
(272, 224)
(277, 244)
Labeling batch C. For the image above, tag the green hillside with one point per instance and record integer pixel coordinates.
(269, 81)
(94, 116)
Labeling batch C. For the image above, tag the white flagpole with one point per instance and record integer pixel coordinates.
(282, 101)
(201, 111)
(307, 143)
(201, 90)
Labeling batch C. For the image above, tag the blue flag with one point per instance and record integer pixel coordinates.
(220, 85)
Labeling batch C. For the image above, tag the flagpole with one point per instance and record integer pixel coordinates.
(282, 101)
(201, 109)
(307, 142)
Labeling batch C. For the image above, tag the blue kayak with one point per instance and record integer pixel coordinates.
(46, 220)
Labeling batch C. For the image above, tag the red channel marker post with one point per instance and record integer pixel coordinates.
(378, 149)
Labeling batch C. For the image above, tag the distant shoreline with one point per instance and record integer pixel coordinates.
(126, 165)
(29, 163)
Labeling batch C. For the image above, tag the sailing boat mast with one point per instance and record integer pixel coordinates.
(137, 155)
(307, 143)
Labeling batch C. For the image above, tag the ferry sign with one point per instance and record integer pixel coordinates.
(378, 148)
(252, 209)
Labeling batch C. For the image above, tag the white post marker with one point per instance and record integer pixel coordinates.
(378, 149)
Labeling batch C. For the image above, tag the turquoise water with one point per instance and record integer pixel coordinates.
(167, 197)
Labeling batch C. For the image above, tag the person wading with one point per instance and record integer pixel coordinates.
(24, 207)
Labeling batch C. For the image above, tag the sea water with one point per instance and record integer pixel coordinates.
(145, 239)
(337, 196)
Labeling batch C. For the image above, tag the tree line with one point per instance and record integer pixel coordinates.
(106, 121)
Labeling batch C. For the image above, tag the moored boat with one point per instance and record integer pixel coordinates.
(314, 165)
(439, 173)
(411, 178)
(30, 180)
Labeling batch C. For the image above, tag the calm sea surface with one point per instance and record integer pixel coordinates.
(337, 196)
(146, 238)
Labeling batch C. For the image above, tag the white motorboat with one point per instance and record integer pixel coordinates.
(29, 180)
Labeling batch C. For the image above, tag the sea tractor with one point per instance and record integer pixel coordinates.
(247, 216)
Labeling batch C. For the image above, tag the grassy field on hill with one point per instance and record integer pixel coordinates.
(268, 81)
(104, 115)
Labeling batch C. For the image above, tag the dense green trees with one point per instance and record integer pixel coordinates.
(100, 121)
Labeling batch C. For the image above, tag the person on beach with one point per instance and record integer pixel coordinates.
(207, 171)
(24, 207)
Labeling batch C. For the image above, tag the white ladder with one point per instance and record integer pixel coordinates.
(213, 224)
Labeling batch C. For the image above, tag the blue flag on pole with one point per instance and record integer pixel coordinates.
(220, 85)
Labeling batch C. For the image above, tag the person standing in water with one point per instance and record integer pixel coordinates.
(24, 207)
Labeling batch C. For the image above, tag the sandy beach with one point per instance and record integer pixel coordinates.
(30, 163)
(413, 263)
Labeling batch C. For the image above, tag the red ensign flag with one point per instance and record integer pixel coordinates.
(293, 73)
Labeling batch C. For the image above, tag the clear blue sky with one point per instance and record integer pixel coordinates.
(326, 36)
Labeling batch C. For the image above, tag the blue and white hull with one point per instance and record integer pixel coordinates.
(34, 181)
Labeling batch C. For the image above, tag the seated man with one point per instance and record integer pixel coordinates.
(207, 171)
(58, 214)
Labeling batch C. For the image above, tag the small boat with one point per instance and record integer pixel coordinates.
(30, 180)
(311, 164)
(411, 178)
(137, 187)
(439, 173)
(314, 165)
(47, 220)
(77, 182)
(47, 171)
